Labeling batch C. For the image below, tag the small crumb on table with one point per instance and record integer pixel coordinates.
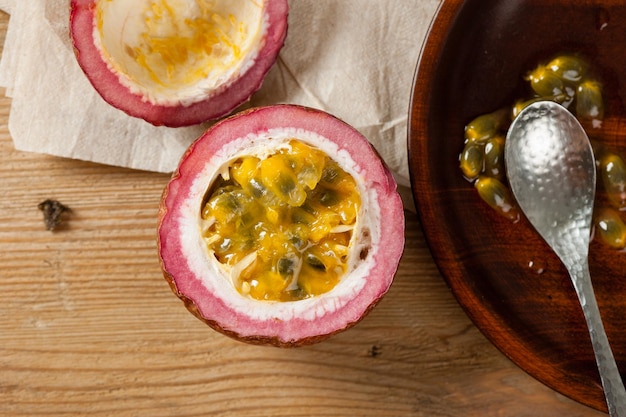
(52, 213)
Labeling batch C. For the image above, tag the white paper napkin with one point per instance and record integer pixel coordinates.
(353, 58)
(7, 5)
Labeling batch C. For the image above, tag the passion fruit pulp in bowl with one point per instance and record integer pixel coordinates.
(271, 230)
(177, 62)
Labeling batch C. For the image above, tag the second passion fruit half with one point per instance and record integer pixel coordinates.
(281, 226)
(177, 62)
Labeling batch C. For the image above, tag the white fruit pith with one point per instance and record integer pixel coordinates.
(172, 51)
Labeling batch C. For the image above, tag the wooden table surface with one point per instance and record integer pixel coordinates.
(88, 326)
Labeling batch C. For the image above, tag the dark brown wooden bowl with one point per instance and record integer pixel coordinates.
(503, 274)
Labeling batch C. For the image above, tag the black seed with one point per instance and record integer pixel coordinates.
(329, 174)
(286, 266)
(286, 184)
(257, 189)
(315, 262)
(329, 198)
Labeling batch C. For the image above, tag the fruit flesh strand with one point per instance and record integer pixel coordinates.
(282, 225)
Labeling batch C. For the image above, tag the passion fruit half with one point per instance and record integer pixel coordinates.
(280, 226)
(177, 62)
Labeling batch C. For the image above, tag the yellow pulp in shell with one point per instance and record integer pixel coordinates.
(165, 44)
(283, 225)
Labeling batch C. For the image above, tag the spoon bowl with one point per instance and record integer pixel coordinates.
(552, 173)
(551, 170)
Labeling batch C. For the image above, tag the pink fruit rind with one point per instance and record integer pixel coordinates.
(220, 104)
(213, 309)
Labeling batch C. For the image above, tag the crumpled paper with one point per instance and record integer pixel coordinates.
(7, 5)
(352, 58)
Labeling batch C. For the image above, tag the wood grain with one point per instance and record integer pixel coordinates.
(88, 326)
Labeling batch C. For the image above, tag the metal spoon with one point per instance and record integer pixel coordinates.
(551, 170)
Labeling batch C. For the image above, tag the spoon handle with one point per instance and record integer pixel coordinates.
(609, 374)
